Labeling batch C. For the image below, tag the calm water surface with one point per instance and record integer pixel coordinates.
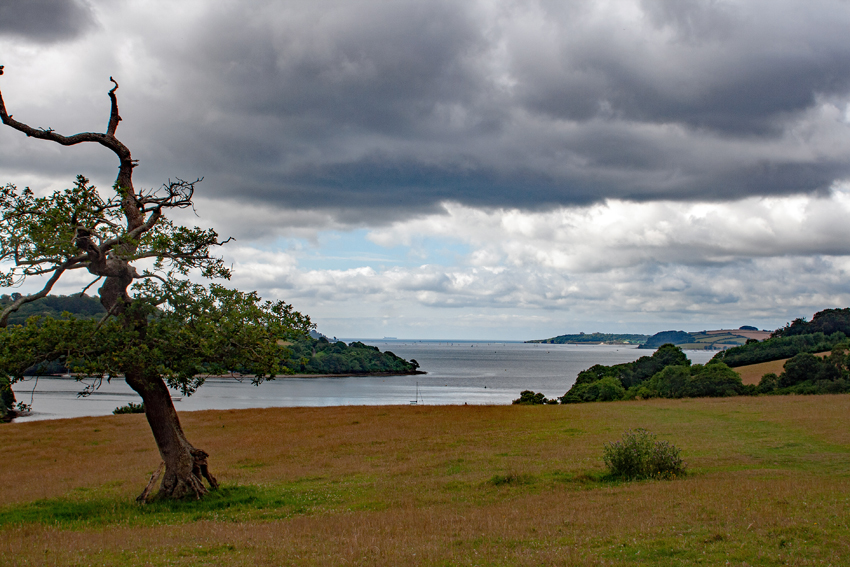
(457, 373)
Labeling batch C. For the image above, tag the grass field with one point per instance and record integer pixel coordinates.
(769, 484)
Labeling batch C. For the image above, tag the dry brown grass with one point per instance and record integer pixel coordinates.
(769, 485)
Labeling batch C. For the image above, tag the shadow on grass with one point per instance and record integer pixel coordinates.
(234, 503)
(511, 479)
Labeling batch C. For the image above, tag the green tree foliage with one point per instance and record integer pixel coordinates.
(606, 389)
(828, 322)
(697, 381)
(666, 374)
(530, 398)
(7, 399)
(320, 356)
(632, 373)
(129, 408)
(805, 373)
(200, 331)
(160, 328)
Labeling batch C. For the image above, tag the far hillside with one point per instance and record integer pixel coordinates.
(701, 340)
(707, 340)
(79, 305)
(594, 338)
(826, 330)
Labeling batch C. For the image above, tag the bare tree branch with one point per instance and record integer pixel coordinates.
(91, 284)
(114, 118)
(155, 276)
(24, 299)
(107, 139)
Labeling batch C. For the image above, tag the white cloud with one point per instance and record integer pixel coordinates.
(616, 266)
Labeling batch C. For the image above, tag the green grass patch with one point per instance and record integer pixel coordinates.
(228, 503)
(511, 479)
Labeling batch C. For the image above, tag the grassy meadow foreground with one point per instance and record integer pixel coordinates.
(768, 484)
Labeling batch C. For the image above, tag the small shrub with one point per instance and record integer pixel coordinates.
(529, 398)
(130, 408)
(639, 455)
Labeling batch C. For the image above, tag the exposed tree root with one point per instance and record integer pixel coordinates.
(176, 486)
(201, 468)
(143, 497)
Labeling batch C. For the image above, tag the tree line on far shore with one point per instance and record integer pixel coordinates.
(669, 374)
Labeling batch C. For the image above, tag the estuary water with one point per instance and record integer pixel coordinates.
(456, 373)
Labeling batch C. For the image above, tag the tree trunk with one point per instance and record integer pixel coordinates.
(185, 466)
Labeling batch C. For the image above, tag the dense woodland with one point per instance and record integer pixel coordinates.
(79, 305)
(668, 373)
(320, 356)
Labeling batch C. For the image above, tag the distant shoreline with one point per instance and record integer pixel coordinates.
(244, 376)
(350, 374)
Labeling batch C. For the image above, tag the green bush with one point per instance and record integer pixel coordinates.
(639, 455)
(606, 389)
(712, 380)
(529, 398)
(130, 408)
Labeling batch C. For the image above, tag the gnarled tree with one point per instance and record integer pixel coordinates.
(161, 329)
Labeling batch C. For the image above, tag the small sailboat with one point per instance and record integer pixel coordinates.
(418, 397)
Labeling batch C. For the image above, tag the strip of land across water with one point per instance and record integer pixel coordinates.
(698, 340)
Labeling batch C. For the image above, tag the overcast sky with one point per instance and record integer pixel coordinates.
(471, 169)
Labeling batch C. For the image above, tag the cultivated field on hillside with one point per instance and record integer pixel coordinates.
(752, 373)
(769, 484)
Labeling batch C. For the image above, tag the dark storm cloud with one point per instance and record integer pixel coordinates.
(703, 64)
(44, 21)
(365, 105)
